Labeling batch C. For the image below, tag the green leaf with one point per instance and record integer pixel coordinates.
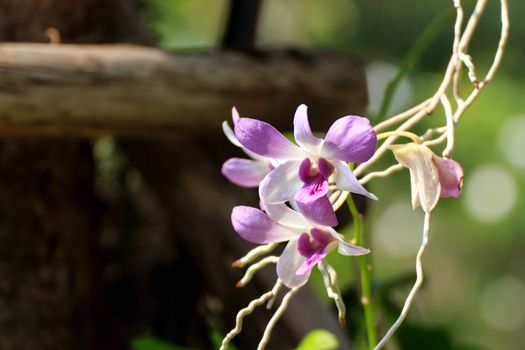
(147, 342)
(319, 339)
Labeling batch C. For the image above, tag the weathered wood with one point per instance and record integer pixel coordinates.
(91, 90)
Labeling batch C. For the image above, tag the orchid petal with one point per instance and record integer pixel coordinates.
(255, 226)
(350, 139)
(418, 159)
(263, 139)
(302, 132)
(312, 260)
(281, 184)
(244, 172)
(319, 211)
(230, 134)
(450, 176)
(346, 248)
(231, 137)
(235, 115)
(345, 180)
(288, 264)
(286, 216)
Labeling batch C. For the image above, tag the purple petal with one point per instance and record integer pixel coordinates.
(288, 264)
(303, 133)
(244, 172)
(286, 216)
(319, 211)
(345, 180)
(281, 184)
(263, 139)
(255, 226)
(450, 176)
(346, 248)
(351, 139)
(310, 263)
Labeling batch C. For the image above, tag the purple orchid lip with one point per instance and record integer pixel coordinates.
(313, 247)
(309, 243)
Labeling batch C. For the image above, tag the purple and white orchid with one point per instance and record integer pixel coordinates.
(240, 171)
(308, 242)
(304, 171)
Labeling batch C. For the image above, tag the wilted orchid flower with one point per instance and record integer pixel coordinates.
(309, 243)
(244, 172)
(304, 171)
(430, 176)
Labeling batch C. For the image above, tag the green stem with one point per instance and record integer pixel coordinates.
(364, 269)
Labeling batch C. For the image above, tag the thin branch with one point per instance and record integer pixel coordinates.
(246, 311)
(415, 288)
(276, 316)
(254, 268)
(254, 254)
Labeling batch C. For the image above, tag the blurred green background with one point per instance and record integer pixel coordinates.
(474, 296)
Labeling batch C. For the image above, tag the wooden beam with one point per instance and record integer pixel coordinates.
(125, 90)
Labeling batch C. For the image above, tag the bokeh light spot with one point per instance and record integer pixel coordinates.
(397, 229)
(512, 142)
(490, 193)
(501, 304)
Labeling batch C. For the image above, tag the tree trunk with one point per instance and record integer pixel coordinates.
(47, 207)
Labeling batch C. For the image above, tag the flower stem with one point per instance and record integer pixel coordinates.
(364, 269)
(406, 134)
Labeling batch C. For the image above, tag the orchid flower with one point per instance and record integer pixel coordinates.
(308, 242)
(431, 176)
(304, 171)
(244, 172)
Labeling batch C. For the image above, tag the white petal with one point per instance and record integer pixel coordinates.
(423, 172)
(302, 132)
(230, 134)
(281, 184)
(414, 186)
(285, 216)
(289, 263)
(345, 180)
(346, 248)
